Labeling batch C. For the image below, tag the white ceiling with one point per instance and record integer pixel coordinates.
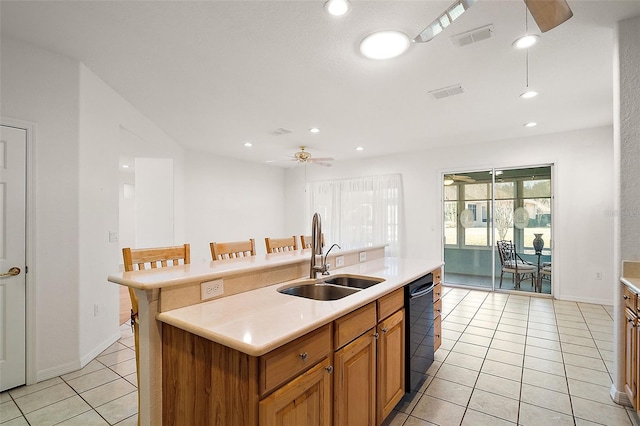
(215, 74)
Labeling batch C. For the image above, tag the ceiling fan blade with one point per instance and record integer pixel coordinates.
(447, 17)
(320, 163)
(315, 160)
(548, 14)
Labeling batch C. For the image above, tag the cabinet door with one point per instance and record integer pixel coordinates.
(306, 400)
(355, 382)
(631, 357)
(390, 363)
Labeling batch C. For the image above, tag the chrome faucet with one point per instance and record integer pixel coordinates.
(316, 247)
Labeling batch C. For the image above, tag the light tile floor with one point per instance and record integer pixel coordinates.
(102, 393)
(512, 359)
(505, 359)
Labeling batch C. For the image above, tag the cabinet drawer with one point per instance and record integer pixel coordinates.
(352, 325)
(390, 303)
(437, 308)
(630, 299)
(437, 292)
(437, 332)
(437, 276)
(279, 365)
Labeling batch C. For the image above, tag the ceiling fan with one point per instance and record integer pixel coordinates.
(305, 157)
(548, 14)
(450, 179)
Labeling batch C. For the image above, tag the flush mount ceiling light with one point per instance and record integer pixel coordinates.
(384, 45)
(248, 144)
(314, 130)
(359, 148)
(337, 7)
(531, 124)
(526, 41)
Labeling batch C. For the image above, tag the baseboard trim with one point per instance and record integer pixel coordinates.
(99, 349)
(619, 397)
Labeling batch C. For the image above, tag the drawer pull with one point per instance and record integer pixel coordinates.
(329, 369)
(625, 297)
(384, 330)
(304, 356)
(375, 335)
(437, 335)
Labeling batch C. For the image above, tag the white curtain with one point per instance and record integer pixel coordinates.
(360, 212)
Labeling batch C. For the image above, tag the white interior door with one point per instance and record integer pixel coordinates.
(13, 169)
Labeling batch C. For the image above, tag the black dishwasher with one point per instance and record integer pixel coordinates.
(418, 302)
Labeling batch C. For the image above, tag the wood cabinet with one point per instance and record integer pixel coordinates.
(391, 363)
(306, 400)
(631, 371)
(437, 308)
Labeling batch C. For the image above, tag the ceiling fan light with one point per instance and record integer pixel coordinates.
(529, 94)
(526, 41)
(384, 45)
(448, 181)
(337, 7)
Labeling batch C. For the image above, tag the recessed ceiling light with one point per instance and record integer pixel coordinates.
(248, 144)
(125, 166)
(384, 45)
(314, 130)
(337, 7)
(531, 124)
(526, 41)
(359, 148)
(529, 94)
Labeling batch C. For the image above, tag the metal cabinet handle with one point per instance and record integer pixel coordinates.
(303, 356)
(329, 369)
(11, 272)
(625, 297)
(375, 335)
(384, 330)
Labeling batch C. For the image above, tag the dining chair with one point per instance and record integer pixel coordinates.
(149, 258)
(280, 245)
(233, 249)
(306, 240)
(511, 262)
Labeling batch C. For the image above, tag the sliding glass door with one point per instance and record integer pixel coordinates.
(483, 207)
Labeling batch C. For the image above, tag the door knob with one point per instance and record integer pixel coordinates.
(11, 272)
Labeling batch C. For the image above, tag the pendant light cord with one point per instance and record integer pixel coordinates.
(526, 33)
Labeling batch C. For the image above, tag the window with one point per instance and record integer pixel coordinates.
(359, 212)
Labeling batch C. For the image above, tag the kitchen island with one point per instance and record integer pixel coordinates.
(251, 320)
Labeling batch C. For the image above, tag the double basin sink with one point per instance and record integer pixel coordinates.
(331, 288)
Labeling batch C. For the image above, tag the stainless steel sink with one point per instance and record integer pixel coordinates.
(319, 291)
(353, 281)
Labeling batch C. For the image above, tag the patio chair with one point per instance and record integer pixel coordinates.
(512, 263)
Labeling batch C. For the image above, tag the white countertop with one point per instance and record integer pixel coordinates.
(261, 320)
(182, 274)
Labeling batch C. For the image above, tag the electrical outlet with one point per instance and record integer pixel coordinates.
(598, 275)
(363, 256)
(113, 236)
(211, 289)
(339, 261)
(96, 310)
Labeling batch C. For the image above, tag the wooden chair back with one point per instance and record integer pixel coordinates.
(231, 250)
(151, 258)
(279, 245)
(306, 240)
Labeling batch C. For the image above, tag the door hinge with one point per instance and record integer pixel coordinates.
(26, 269)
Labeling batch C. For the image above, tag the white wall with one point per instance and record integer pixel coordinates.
(583, 227)
(231, 200)
(40, 87)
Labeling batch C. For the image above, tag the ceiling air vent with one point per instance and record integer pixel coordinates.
(472, 36)
(446, 92)
(280, 131)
